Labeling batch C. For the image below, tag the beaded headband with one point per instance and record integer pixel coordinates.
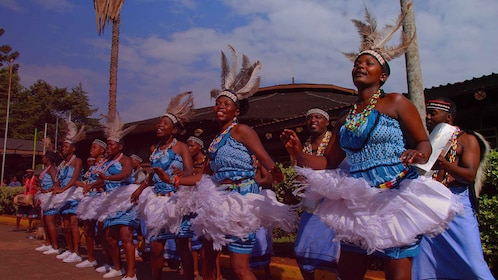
(90, 159)
(440, 105)
(318, 111)
(172, 117)
(136, 157)
(228, 94)
(196, 140)
(100, 143)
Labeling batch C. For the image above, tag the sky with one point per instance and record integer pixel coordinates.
(171, 46)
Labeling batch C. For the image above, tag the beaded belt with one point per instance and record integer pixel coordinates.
(393, 182)
(169, 194)
(235, 186)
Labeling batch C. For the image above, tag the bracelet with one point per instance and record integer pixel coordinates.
(176, 181)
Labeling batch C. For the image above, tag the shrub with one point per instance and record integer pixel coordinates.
(7, 194)
(488, 225)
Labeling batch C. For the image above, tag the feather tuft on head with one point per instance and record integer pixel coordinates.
(74, 135)
(113, 128)
(181, 108)
(238, 86)
(373, 39)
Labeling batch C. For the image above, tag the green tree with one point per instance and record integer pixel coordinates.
(44, 103)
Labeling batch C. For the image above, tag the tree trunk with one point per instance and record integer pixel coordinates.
(113, 73)
(412, 60)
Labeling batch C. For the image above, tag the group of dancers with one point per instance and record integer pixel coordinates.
(362, 193)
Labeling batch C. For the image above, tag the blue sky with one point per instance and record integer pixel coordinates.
(171, 46)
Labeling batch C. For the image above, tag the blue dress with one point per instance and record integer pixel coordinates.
(232, 160)
(167, 160)
(46, 184)
(379, 206)
(123, 218)
(65, 175)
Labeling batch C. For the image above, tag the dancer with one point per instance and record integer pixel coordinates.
(69, 172)
(230, 217)
(92, 200)
(118, 215)
(314, 248)
(46, 179)
(138, 172)
(167, 155)
(457, 252)
(200, 161)
(28, 211)
(380, 206)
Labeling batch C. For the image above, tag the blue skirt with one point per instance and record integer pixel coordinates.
(455, 253)
(122, 218)
(314, 248)
(261, 252)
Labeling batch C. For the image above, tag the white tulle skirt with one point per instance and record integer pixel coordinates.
(56, 201)
(164, 212)
(221, 214)
(375, 219)
(118, 200)
(87, 208)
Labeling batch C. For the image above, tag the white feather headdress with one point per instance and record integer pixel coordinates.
(113, 128)
(180, 108)
(238, 86)
(74, 135)
(374, 41)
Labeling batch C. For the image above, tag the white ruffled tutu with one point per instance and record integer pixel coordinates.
(118, 200)
(87, 207)
(376, 219)
(56, 201)
(164, 212)
(221, 214)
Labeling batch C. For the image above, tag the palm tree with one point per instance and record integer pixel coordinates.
(109, 10)
(412, 60)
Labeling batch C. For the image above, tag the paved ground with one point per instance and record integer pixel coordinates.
(19, 261)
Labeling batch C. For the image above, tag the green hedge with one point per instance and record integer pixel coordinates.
(6, 199)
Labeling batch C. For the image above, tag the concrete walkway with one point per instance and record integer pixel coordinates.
(19, 261)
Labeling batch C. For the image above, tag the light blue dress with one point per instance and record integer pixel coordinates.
(65, 175)
(168, 160)
(123, 218)
(232, 160)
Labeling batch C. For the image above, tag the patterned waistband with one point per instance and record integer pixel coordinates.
(395, 181)
(169, 194)
(239, 184)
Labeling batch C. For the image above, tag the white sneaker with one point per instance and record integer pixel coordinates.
(130, 278)
(114, 273)
(43, 248)
(72, 258)
(63, 255)
(51, 252)
(103, 269)
(87, 263)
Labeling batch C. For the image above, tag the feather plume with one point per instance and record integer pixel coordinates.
(113, 128)
(243, 84)
(480, 175)
(74, 135)
(374, 39)
(181, 106)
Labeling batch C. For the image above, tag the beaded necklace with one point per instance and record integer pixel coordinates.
(65, 163)
(321, 148)
(451, 154)
(96, 168)
(214, 145)
(354, 120)
(155, 156)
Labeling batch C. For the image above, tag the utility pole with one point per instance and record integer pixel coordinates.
(11, 61)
